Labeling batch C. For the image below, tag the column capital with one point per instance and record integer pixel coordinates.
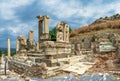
(46, 16)
(39, 17)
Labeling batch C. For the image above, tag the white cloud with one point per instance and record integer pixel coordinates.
(74, 9)
(2, 29)
(53, 23)
(58, 8)
(7, 7)
(20, 28)
(67, 9)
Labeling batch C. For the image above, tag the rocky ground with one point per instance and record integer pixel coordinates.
(94, 68)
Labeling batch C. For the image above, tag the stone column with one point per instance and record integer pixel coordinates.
(57, 38)
(17, 46)
(64, 33)
(40, 26)
(68, 34)
(9, 47)
(46, 24)
(31, 37)
(40, 29)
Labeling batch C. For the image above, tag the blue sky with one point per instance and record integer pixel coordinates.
(17, 17)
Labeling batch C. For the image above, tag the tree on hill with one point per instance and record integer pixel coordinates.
(101, 18)
(117, 16)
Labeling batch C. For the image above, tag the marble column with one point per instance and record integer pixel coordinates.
(31, 37)
(40, 29)
(67, 33)
(46, 24)
(64, 33)
(40, 26)
(9, 47)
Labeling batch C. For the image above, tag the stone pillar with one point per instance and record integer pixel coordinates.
(67, 33)
(31, 37)
(40, 27)
(64, 32)
(46, 24)
(57, 32)
(9, 47)
(17, 46)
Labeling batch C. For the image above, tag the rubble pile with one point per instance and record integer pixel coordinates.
(106, 63)
(28, 70)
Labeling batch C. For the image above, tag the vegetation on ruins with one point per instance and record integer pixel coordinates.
(104, 24)
(53, 33)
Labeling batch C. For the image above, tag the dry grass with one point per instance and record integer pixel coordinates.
(113, 24)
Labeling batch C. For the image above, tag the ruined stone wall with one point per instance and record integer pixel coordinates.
(53, 48)
(62, 32)
(43, 28)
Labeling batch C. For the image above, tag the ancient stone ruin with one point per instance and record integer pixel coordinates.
(62, 32)
(33, 57)
(47, 58)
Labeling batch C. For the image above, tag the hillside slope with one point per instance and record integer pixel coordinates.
(112, 22)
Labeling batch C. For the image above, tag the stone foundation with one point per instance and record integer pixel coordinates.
(27, 70)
